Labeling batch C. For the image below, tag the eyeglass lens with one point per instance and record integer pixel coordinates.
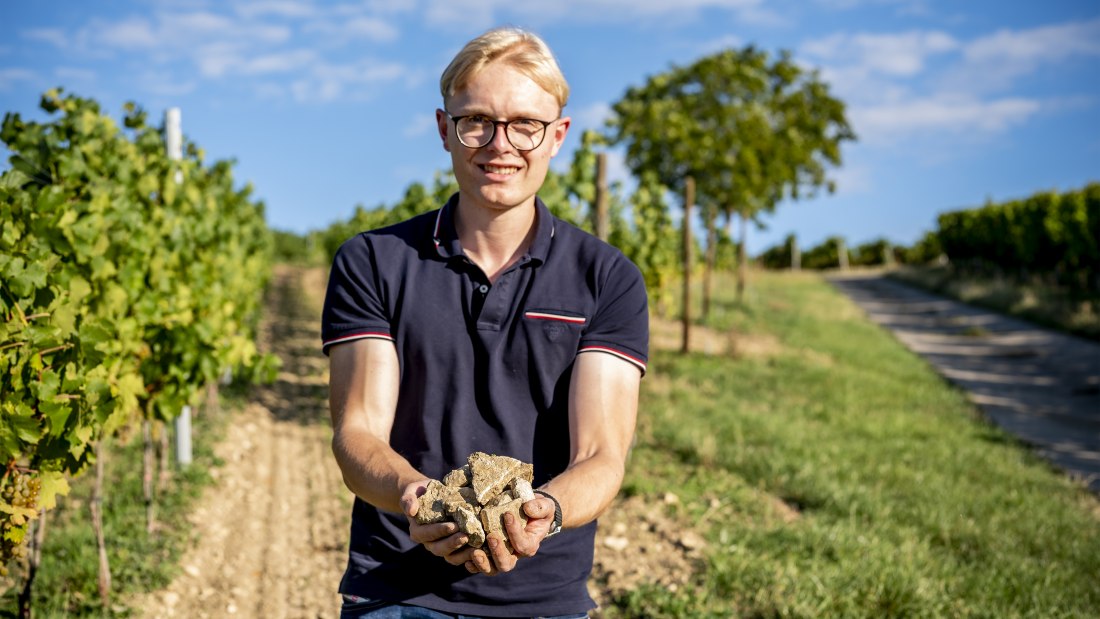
(522, 133)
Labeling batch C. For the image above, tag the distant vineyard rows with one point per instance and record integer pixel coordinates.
(1052, 234)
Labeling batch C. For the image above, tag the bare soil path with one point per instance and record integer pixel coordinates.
(271, 534)
(1040, 385)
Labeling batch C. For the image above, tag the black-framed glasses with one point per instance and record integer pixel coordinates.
(477, 130)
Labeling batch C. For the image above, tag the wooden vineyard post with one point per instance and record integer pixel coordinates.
(96, 505)
(689, 200)
(603, 223)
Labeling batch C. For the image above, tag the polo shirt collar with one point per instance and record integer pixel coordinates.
(445, 236)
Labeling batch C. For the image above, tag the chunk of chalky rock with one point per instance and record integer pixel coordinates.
(504, 497)
(492, 518)
(469, 523)
(460, 497)
(458, 477)
(522, 489)
(432, 504)
(491, 474)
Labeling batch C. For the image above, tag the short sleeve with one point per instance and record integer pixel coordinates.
(354, 308)
(620, 324)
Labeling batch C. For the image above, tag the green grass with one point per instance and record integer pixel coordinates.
(908, 504)
(66, 584)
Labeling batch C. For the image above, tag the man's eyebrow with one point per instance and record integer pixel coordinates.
(481, 112)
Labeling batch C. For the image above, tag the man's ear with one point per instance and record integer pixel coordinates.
(561, 128)
(443, 124)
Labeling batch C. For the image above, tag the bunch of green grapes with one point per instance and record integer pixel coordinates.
(20, 489)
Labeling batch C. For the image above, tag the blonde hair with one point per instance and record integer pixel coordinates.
(521, 49)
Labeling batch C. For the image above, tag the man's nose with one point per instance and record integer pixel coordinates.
(500, 142)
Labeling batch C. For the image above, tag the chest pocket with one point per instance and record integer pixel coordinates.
(553, 336)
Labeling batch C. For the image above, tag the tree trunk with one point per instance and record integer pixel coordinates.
(742, 262)
(148, 466)
(796, 255)
(712, 258)
(603, 220)
(34, 559)
(212, 401)
(96, 505)
(164, 469)
(685, 317)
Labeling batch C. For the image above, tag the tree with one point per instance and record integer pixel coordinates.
(654, 249)
(751, 131)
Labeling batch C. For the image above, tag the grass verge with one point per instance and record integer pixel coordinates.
(1034, 302)
(67, 581)
(849, 479)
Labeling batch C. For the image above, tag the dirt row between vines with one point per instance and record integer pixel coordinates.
(270, 536)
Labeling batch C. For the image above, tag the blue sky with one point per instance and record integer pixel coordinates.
(325, 105)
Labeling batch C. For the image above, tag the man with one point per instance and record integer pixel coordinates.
(488, 325)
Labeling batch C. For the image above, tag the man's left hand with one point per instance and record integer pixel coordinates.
(524, 540)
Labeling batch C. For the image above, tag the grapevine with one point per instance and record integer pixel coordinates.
(19, 502)
(128, 281)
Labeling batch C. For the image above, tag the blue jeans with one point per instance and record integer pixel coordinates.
(379, 609)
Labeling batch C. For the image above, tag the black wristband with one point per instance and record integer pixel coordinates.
(556, 527)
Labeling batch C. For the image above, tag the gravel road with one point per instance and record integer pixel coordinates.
(1040, 385)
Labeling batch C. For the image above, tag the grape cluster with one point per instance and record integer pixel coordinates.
(20, 489)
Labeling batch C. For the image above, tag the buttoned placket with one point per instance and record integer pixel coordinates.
(493, 302)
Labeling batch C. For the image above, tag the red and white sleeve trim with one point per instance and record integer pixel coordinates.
(611, 351)
(378, 335)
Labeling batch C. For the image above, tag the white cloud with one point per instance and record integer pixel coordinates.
(421, 124)
(355, 81)
(904, 54)
(215, 60)
(480, 14)
(853, 179)
(902, 85)
(722, 43)
(591, 117)
(131, 33)
(9, 76)
(959, 114)
(177, 33)
(904, 7)
(75, 74)
(996, 61)
(282, 8)
(360, 27)
(53, 36)
(280, 62)
(162, 85)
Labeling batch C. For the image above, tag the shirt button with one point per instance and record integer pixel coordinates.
(483, 289)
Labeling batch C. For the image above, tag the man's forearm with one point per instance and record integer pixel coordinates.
(586, 489)
(372, 469)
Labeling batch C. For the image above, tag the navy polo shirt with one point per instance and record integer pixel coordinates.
(484, 367)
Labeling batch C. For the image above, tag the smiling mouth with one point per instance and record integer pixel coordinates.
(494, 169)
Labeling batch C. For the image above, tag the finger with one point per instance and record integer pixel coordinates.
(462, 555)
(425, 533)
(539, 508)
(525, 543)
(410, 505)
(482, 563)
(503, 558)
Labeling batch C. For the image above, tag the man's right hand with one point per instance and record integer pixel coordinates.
(442, 539)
